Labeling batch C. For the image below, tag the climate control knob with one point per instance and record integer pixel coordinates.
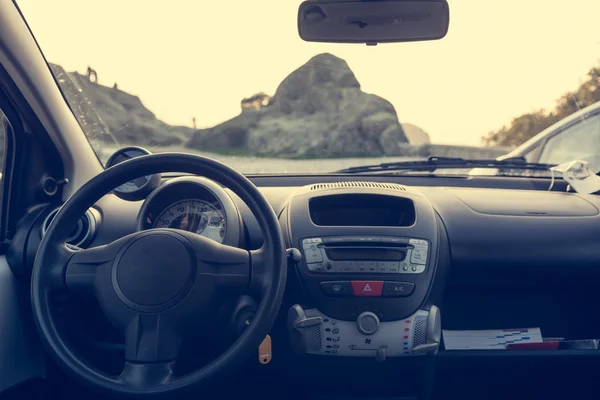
(367, 323)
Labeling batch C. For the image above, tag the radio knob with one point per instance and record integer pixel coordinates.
(367, 323)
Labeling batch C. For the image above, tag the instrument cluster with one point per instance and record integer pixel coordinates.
(194, 204)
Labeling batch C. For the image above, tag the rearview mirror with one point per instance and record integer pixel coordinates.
(373, 21)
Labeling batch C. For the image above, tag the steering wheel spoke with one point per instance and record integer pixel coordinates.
(232, 273)
(260, 278)
(230, 268)
(83, 266)
(151, 338)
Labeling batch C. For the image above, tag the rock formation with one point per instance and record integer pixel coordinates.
(111, 116)
(415, 135)
(319, 110)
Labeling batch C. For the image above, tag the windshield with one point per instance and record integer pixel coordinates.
(234, 81)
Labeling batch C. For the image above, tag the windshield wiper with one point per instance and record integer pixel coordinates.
(433, 163)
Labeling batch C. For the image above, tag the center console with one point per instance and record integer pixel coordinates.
(370, 256)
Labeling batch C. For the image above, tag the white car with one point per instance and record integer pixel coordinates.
(576, 137)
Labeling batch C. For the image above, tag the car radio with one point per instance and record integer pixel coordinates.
(366, 254)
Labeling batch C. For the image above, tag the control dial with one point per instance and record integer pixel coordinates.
(367, 323)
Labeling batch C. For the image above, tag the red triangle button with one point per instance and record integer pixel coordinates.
(367, 288)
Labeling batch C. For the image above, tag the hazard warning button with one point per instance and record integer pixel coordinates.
(367, 288)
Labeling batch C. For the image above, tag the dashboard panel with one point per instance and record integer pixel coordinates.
(536, 241)
(508, 253)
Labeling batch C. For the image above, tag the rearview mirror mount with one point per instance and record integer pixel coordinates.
(373, 21)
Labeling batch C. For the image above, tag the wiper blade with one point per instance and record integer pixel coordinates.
(433, 163)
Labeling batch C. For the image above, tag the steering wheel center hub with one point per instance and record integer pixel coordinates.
(155, 271)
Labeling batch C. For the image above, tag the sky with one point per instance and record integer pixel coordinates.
(188, 58)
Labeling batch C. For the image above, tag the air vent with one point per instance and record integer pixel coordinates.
(314, 338)
(420, 335)
(358, 184)
(83, 232)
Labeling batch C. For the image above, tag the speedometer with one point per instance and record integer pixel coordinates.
(196, 216)
(194, 204)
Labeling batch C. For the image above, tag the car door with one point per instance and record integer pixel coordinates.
(21, 358)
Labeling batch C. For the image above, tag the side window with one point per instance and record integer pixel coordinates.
(578, 142)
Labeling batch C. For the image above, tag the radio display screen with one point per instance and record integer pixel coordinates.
(361, 210)
(365, 253)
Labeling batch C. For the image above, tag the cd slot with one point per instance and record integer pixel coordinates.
(371, 253)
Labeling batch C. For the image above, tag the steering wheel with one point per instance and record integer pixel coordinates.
(155, 284)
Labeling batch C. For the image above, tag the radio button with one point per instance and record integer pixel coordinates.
(393, 267)
(367, 288)
(397, 289)
(317, 240)
(313, 256)
(418, 256)
(314, 267)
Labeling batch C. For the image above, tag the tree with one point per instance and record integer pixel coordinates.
(528, 125)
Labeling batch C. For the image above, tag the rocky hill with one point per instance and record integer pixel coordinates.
(110, 115)
(319, 110)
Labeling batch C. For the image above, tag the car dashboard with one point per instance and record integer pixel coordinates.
(378, 266)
